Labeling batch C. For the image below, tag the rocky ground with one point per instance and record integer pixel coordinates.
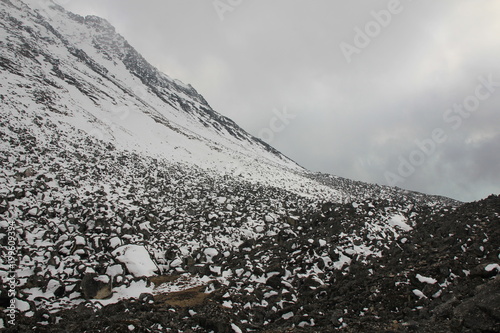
(223, 255)
(424, 284)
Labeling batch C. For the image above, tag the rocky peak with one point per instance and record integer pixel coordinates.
(99, 24)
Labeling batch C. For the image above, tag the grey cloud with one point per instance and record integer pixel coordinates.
(353, 119)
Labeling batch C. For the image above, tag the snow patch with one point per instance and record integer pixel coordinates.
(399, 221)
(491, 267)
(424, 279)
(137, 260)
(418, 293)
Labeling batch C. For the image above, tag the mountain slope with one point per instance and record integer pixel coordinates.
(80, 73)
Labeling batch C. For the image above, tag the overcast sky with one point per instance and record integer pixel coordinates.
(403, 93)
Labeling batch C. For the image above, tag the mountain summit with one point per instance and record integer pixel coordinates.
(127, 203)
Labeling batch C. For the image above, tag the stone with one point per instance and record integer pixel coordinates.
(95, 286)
(4, 205)
(29, 172)
(146, 298)
(274, 282)
(482, 271)
(480, 313)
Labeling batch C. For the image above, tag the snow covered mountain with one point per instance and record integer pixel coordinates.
(123, 191)
(78, 72)
(76, 76)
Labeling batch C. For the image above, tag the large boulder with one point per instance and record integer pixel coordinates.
(480, 313)
(137, 260)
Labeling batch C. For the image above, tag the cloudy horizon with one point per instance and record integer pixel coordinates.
(400, 93)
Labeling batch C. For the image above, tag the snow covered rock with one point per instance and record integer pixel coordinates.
(137, 260)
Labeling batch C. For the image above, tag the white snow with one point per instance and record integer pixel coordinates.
(181, 138)
(236, 329)
(418, 293)
(399, 221)
(114, 270)
(424, 279)
(79, 240)
(210, 253)
(146, 226)
(22, 306)
(227, 304)
(343, 260)
(114, 242)
(216, 269)
(176, 263)
(137, 260)
(134, 290)
(102, 278)
(491, 267)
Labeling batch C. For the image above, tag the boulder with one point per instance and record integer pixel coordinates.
(480, 313)
(137, 260)
(29, 172)
(146, 298)
(95, 286)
